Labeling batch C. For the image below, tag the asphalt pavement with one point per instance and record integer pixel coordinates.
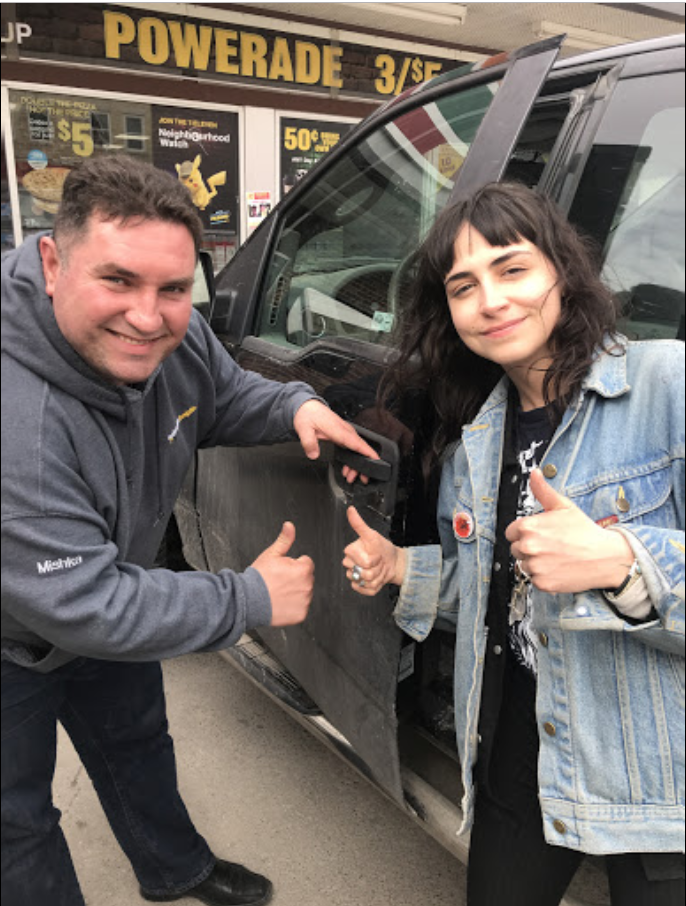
(265, 793)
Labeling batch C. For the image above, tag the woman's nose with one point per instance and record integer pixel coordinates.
(492, 297)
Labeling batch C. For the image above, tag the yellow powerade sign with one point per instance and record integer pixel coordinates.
(224, 50)
(263, 55)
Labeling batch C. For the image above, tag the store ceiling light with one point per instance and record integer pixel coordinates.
(438, 13)
(581, 38)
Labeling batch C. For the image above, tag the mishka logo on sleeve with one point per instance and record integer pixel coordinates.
(171, 437)
(51, 566)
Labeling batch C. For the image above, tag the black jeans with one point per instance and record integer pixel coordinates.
(510, 862)
(115, 715)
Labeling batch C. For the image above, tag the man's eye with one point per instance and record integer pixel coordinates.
(115, 279)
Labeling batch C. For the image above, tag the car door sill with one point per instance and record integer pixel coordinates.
(435, 813)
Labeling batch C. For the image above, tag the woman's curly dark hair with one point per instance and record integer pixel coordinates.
(432, 355)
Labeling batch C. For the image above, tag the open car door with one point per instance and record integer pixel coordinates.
(313, 296)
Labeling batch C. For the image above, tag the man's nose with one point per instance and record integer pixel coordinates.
(144, 315)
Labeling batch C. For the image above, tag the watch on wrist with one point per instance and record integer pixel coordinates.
(634, 574)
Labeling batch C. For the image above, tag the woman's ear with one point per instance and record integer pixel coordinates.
(51, 263)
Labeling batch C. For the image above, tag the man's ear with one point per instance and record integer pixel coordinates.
(51, 263)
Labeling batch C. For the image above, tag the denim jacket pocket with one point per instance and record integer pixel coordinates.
(614, 498)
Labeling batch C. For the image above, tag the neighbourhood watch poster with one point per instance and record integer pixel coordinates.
(200, 148)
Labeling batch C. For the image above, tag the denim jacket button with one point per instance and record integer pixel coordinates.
(549, 728)
(549, 470)
(543, 639)
(560, 826)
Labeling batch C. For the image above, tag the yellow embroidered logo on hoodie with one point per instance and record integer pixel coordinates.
(181, 417)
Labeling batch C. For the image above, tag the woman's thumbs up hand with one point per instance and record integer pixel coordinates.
(371, 561)
(562, 549)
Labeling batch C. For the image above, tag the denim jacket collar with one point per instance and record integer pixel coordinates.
(607, 376)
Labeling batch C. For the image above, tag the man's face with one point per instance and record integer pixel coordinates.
(122, 293)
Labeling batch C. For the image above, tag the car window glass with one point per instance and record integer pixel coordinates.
(631, 200)
(536, 141)
(341, 262)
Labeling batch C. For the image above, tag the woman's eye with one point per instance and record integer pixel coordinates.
(459, 291)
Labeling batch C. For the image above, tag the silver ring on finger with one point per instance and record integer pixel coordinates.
(522, 573)
(356, 575)
(361, 583)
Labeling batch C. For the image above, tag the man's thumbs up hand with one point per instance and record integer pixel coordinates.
(562, 549)
(372, 561)
(290, 582)
(283, 543)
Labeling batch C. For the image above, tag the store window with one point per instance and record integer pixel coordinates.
(52, 132)
(134, 135)
(100, 130)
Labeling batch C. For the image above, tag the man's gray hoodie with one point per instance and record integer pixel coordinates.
(90, 473)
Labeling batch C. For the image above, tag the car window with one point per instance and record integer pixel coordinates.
(340, 266)
(631, 200)
(536, 141)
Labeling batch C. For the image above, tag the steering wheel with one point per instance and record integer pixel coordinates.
(399, 281)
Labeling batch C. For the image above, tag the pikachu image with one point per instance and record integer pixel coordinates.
(191, 177)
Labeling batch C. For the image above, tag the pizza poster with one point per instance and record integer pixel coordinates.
(302, 143)
(51, 133)
(200, 148)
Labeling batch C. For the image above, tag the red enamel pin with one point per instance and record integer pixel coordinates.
(463, 525)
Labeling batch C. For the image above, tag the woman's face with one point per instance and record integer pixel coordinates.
(504, 301)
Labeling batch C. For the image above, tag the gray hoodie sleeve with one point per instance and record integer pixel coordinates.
(75, 484)
(249, 409)
(65, 585)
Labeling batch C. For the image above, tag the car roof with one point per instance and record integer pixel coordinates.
(620, 50)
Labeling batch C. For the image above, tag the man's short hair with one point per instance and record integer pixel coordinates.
(120, 187)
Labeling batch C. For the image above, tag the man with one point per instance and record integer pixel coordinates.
(110, 383)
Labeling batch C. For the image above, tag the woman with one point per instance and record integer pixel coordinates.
(561, 564)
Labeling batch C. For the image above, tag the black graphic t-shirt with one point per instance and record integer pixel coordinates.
(509, 682)
(533, 431)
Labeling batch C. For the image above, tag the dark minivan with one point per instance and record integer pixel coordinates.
(313, 296)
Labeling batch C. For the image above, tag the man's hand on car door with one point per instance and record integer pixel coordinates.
(314, 422)
(290, 581)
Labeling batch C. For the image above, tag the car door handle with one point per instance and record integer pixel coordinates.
(374, 469)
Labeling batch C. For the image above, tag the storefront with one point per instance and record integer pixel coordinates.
(238, 106)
